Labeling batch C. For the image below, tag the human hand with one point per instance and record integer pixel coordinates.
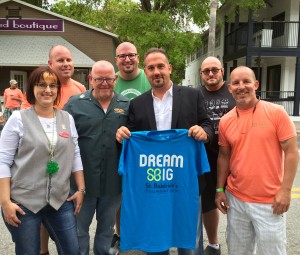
(122, 133)
(10, 211)
(78, 196)
(221, 202)
(281, 201)
(198, 133)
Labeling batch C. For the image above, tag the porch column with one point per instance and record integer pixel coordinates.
(297, 86)
(250, 40)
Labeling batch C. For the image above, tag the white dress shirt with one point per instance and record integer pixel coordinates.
(163, 110)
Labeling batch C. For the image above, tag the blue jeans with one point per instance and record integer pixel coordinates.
(60, 224)
(199, 239)
(106, 208)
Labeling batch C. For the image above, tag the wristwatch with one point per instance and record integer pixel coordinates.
(82, 191)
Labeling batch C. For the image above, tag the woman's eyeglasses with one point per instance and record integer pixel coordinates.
(44, 86)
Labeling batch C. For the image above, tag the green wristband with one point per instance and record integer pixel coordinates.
(220, 189)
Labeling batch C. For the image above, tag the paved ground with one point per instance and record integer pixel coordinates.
(293, 228)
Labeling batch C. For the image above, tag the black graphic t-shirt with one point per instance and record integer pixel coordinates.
(218, 103)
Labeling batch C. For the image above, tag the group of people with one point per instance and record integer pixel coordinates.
(59, 156)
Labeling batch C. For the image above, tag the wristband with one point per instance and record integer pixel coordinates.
(220, 189)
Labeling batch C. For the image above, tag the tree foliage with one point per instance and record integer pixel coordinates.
(146, 23)
(39, 3)
(149, 23)
(238, 5)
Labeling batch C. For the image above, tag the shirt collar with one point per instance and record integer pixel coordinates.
(168, 92)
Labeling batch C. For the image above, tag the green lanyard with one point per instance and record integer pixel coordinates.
(52, 166)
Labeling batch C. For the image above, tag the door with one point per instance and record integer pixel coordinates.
(21, 78)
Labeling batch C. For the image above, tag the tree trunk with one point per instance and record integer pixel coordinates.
(212, 28)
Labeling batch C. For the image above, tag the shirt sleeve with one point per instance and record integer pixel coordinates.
(11, 136)
(77, 162)
(285, 127)
(20, 94)
(4, 95)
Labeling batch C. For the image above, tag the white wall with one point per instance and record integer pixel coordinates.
(288, 74)
(192, 75)
(291, 9)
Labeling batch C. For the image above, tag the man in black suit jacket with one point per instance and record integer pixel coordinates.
(188, 109)
(167, 106)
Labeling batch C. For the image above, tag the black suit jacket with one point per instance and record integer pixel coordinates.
(188, 110)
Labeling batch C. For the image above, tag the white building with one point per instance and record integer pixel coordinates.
(266, 41)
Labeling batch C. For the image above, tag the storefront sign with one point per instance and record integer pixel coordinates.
(42, 25)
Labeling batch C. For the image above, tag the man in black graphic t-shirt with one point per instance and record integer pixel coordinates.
(218, 102)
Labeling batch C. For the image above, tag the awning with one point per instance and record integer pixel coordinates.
(22, 50)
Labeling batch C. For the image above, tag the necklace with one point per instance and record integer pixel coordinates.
(243, 132)
(52, 166)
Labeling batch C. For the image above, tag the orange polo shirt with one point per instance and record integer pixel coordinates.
(9, 102)
(256, 161)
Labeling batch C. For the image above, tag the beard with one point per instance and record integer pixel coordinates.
(158, 81)
(128, 68)
(212, 83)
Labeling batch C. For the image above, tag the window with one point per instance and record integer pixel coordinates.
(199, 52)
(273, 81)
(81, 75)
(192, 57)
(13, 12)
(258, 73)
(21, 78)
(278, 25)
(205, 46)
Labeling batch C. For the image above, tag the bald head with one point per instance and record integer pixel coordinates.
(58, 48)
(127, 61)
(243, 69)
(103, 80)
(61, 62)
(125, 46)
(212, 74)
(243, 86)
(103, 65)
(211, 61)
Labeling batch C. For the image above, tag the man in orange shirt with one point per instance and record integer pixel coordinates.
(61, 62)
(12, 98)
(258, 160)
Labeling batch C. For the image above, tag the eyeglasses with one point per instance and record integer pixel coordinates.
(44, 86)
(109, 81)
(213, 70)
(131, 56)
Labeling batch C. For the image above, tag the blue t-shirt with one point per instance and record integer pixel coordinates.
(160, 197)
